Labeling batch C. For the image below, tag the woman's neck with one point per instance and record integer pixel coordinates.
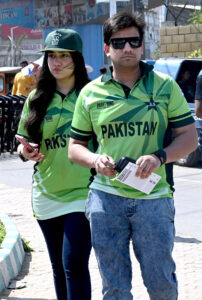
(65, 86)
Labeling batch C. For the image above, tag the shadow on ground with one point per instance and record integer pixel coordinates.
(179, 239)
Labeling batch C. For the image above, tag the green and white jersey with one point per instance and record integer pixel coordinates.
(130, 125)
(59, 185)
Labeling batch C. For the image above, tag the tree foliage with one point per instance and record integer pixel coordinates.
(156, 54)
(196, 17)
(196, 54)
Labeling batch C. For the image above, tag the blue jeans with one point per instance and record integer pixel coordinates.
(69, 244)
(149, 224)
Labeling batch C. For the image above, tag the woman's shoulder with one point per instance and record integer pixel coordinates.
(31, 94)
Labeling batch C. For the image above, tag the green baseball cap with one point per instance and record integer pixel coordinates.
(63, 40)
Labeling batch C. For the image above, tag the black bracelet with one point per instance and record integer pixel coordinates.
(159, 158)
(22, 157)
(161, 154)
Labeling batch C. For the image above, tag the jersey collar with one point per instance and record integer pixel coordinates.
(144, 67)
(63, 95)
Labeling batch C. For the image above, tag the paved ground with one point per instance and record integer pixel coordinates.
(35, 279)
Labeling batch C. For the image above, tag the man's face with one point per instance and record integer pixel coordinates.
(23, 65)
(128, 56)
(186, 75)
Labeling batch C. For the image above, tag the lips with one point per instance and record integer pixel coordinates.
(57, 70)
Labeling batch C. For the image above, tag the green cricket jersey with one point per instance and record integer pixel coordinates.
(130, 123)
(59, 185)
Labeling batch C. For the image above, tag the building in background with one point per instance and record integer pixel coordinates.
(178, 12)
(26, 43)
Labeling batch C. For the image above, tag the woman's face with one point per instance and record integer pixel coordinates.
(61, 65)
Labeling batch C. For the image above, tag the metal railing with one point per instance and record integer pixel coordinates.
(10, 112)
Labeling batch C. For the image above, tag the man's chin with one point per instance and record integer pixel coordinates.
(127, 64)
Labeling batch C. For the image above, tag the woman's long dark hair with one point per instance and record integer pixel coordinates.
(46, 87)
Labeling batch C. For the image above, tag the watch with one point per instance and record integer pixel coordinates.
(162, 156)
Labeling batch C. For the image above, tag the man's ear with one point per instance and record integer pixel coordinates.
(106, 49)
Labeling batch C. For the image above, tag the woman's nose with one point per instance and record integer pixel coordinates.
(57, 61)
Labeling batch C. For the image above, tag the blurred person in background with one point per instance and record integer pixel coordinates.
(198, 95)
(186, 85)
(23, 83)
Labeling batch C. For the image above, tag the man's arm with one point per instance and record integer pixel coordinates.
(80, 154)
(185, 141)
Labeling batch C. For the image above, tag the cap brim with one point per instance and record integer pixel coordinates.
(57, 49)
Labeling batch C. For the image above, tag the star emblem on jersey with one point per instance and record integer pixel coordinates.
(151, 104)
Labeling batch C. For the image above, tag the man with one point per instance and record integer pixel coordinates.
(186, 85)
(198, 95)
(130, 109)
(23, 84)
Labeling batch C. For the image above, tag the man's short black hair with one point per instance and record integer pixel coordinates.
(120, 21)
(24, 62)
(103, 70)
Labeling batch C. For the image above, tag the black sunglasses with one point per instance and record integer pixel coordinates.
(119, 43)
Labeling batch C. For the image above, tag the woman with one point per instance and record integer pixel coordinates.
(59, 186)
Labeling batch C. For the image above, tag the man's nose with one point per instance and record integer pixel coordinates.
(127, 47)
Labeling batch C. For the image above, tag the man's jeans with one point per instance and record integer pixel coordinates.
(149, 224)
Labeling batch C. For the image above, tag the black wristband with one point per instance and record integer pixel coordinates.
(22, 157)
(161, 154)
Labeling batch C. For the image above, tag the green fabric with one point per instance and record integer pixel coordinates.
(131, 126)
(59, 185)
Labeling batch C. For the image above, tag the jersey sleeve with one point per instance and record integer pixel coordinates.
(81, 128)
(25, 113)
(179, 113)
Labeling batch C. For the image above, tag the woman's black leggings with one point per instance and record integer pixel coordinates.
(69, 244)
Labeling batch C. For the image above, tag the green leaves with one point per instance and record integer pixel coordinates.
(2, 232)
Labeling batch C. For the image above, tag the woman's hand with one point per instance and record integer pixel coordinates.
(33, 155)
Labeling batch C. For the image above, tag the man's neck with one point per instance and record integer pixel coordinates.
(128, 76)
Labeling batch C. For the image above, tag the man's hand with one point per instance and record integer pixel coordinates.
(104, 165)
(147, 164)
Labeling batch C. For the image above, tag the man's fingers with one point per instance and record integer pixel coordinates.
(147, 164)
(105, 165)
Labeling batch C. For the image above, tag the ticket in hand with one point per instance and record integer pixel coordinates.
(146, 185)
